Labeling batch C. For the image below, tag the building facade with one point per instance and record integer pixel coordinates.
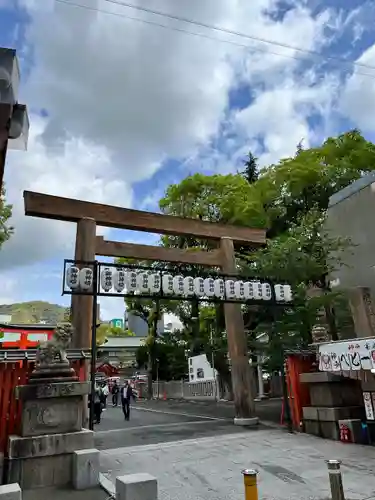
(351, 214)
(120, 351)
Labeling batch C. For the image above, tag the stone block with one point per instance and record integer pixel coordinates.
(52, 390)
(319, 377)
(85, 472)
(310, 413)
(10, 492)
(312, 427)
(51, 416)
(329, 430)
(336, 414)
(347, 393)
(53, 444)
(41, 472)
(136, 487)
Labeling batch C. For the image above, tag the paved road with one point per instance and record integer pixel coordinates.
(158, 422)
(291, 466)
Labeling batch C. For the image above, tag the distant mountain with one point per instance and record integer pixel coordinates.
(34, 312)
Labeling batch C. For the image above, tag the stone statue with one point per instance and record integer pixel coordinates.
(54, 350)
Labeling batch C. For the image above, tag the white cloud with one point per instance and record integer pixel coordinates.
(74, 168)
(148, 93)
(280, 116)
(358, 96)
(8, 292)
(111, 308)
(123, 96)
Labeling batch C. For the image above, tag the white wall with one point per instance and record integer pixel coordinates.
(200, 370)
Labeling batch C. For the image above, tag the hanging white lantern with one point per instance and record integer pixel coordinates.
(154, 282)
(178, 285)
(72, 277)
(86, 278)
(199, 287)
(288, 293)
(249, 290)
(131, 281)
(258, 292)
(283, 293)
(106, 279)
(230, 290)
(168, 284)
(143, 282)
(239, 288)
(266, 291)
(219, 288)
(119, 280)
(189, 286)
(209, 287)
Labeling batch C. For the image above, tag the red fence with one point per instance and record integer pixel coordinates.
(13, 374)
(298, 393)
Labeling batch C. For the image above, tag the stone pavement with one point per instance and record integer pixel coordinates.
(64, 494)
(291, 466)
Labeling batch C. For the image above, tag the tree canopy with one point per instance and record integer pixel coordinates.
(5, 214)
(106, 330)
(289, 199)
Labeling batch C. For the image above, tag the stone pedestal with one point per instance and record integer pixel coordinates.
(333, 398)
(51, 431)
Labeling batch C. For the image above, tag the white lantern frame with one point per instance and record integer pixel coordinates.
(86, 279)
(106, 279)
(167, 284)
(119, 280)
(116, 280)
(71, 273)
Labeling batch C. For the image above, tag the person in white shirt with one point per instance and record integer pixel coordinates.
(105, 392)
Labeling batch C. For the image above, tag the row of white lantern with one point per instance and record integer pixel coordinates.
(183, 286)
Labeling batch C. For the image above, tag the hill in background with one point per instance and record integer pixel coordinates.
(34, 312)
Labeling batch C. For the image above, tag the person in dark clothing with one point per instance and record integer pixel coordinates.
(126, 395)
(97, 405)
(115, 391)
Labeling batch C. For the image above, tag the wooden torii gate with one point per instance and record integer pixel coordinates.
(89, 215)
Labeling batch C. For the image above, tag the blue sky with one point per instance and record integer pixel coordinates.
(119, 109)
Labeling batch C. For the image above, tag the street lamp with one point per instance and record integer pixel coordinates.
(14, 121)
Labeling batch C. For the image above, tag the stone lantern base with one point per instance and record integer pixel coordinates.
(51, 431)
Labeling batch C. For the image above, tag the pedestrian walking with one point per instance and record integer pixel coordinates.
(126, 395)
(97, 404)
(115, 391)
(105, 392)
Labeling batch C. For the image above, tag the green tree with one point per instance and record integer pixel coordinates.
(294, 186)
(170, 357)
(251, 171)
(290, 198)
(106, 330)
(6, 230)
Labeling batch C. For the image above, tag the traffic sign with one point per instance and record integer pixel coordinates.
(117, 323)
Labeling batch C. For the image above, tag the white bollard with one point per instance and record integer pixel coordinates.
(136, 487)
(10, 492)
(85, 469)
